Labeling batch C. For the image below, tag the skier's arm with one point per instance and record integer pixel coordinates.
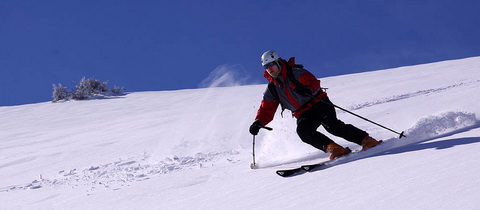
(309, 80)
(267, 109)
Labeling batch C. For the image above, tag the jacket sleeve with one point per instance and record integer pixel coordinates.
(309, 80)
(267, 109)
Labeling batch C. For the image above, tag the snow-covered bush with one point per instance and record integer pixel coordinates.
(87, 88)
(118, 90)
(60, 92)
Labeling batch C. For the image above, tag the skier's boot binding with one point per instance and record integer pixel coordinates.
(369, 142)
(336, 150)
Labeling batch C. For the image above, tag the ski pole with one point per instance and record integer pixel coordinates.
(253, 165)
(363, 118)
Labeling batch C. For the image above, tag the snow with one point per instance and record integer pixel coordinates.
(190, 149)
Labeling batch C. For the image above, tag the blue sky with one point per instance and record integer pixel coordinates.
(170, 45)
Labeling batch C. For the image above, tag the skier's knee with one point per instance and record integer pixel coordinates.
(305, 133)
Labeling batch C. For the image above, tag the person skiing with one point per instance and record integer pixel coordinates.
(298, 90)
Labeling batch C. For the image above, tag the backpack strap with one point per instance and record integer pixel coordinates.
(291, 76)
(273, 90)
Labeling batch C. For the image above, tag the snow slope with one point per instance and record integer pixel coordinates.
(190, 149)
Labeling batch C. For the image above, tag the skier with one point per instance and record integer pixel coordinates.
(299, 91)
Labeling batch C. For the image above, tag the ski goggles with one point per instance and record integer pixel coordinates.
(268, 65)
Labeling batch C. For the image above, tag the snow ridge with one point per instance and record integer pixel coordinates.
(410, 95)
(435, 126)
(442, 124)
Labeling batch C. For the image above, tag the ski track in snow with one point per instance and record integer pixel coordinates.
(121, 173)
(425, 129)
(410, 95)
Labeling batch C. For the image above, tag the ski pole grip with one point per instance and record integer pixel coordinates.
(268, 128)
(402, 135)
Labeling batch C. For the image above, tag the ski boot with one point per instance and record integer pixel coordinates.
(369, 142)
(336, 150)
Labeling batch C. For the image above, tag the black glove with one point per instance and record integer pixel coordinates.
(255, 127)
(303, 90)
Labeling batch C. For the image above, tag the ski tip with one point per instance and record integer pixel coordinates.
(289, 172)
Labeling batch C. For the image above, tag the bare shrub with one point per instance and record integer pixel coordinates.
(85, 89)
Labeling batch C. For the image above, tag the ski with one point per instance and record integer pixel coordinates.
(312, 167)
(301, 169)
(290, 172)
(306, 168)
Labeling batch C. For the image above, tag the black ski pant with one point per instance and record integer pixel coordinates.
(324, 114)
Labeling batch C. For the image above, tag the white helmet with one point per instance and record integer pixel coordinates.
(269, 56)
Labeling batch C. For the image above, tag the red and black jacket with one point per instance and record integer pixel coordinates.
(281, 91)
